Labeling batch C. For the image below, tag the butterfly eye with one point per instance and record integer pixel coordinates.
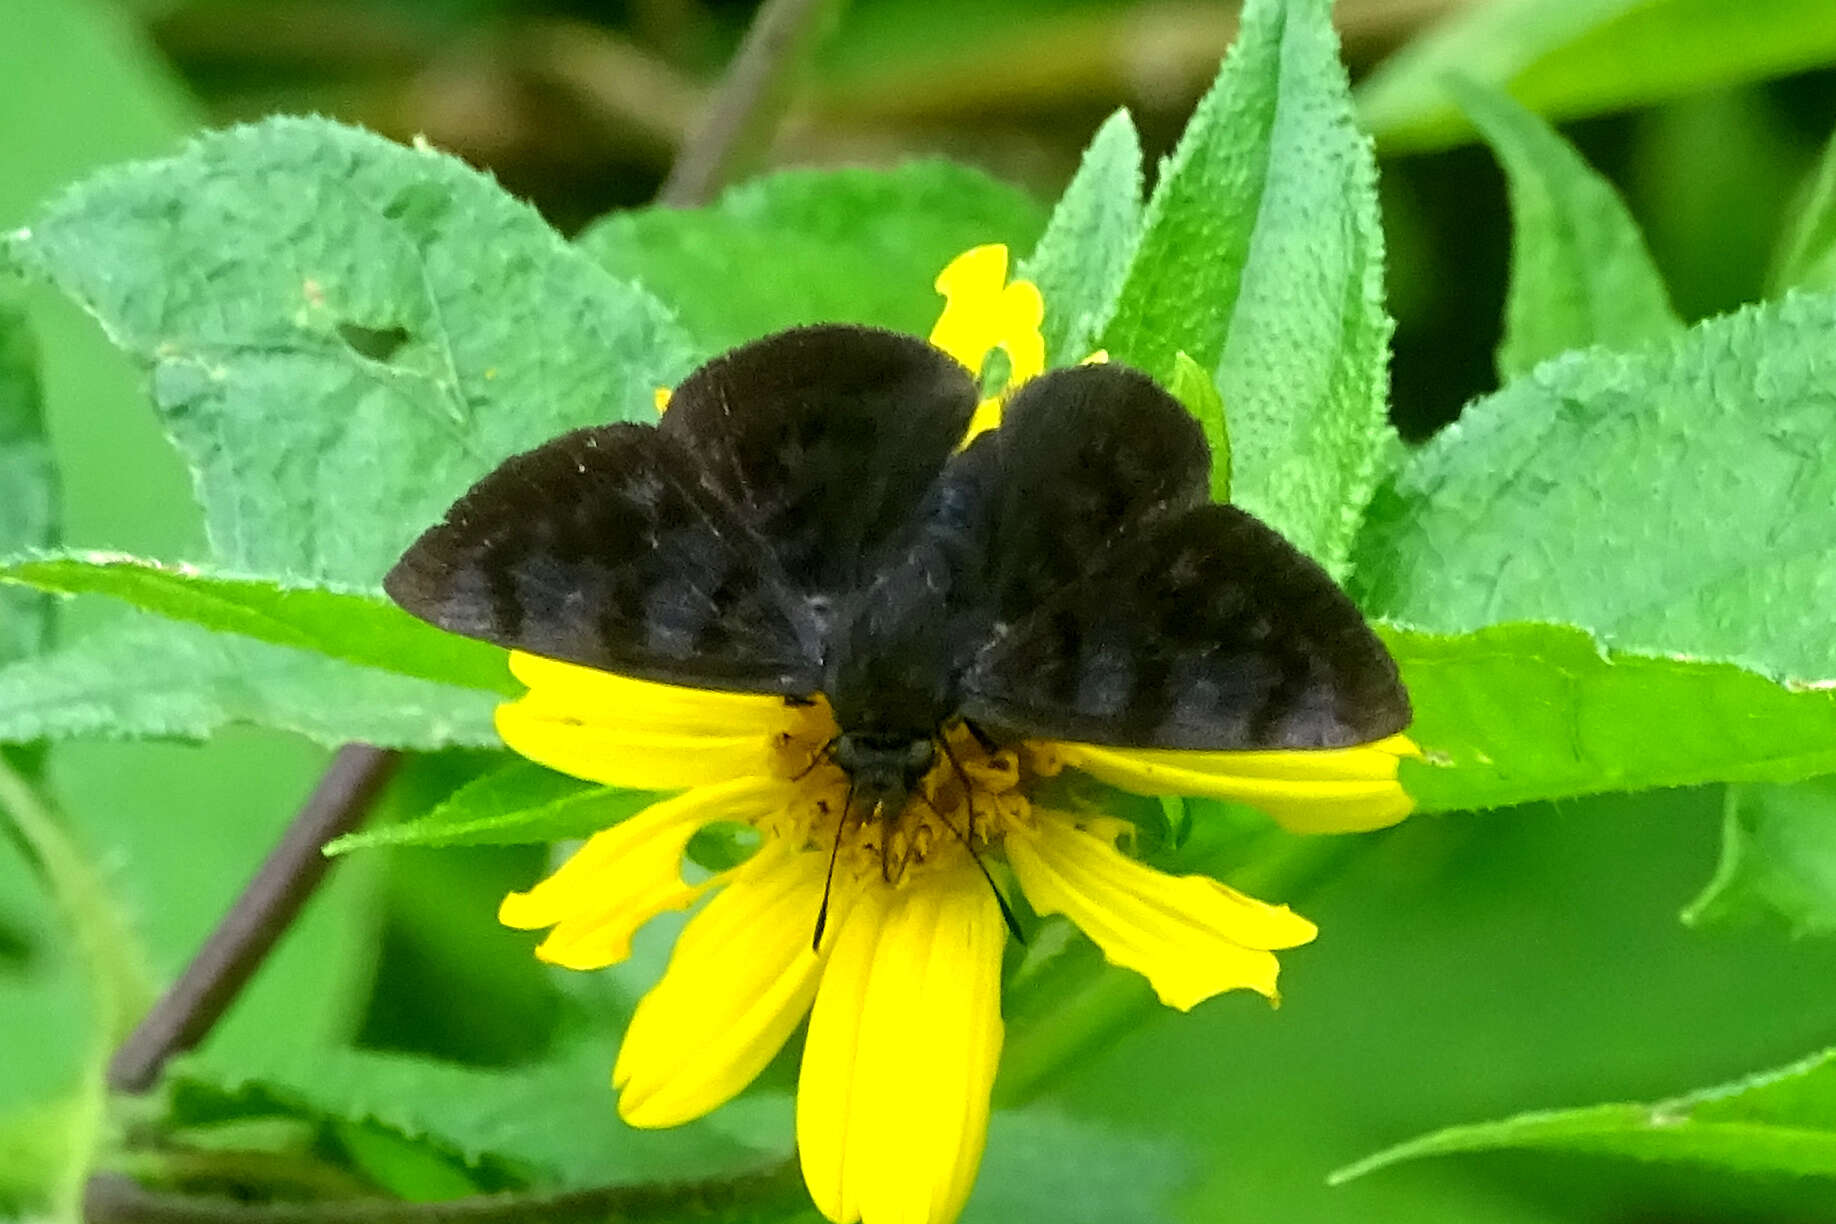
(920, 754)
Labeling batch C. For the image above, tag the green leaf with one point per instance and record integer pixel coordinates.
(404, 1168)
(343, 622)
(1580, 272)
(169, 680)
(556, 1123)
(1806, 257)
(1042, 1167)
(1262, 258)
(518, 804)
(28, 482)
(813, 246)
(1781, 1122)
(343, 333)
(1578, 57)
(1678, 499)
(1193, 387)
(1085, 250)
(1778, 859)
(1714, 223)
(1518, 712)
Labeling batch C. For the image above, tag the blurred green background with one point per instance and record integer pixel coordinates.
(1469, 966)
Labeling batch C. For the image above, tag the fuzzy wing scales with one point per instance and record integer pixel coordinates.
(1123, 609)
(826, 440)
(604, 548)
(713, 549)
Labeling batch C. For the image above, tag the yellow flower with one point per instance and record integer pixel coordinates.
(984, 312)
(903, 992)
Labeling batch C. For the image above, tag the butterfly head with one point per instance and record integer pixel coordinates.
(884, 770)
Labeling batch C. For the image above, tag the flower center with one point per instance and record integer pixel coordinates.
(968, 799)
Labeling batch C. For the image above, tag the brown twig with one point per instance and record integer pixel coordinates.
(191, 1006)
(750, 101)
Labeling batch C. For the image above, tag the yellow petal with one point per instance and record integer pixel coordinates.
(740, 979)
(628, 874)
(892, 1107)
(606, 697)
(636, 733)
(987, 416)
(1190, 936)
(1320, 790)
(1022, 313)
(983, 312)
(971, 285)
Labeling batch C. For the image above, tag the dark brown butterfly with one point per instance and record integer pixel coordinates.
(802, 521)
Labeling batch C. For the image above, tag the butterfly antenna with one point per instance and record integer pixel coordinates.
(821, 755)
(828, 881)
(1007, 911)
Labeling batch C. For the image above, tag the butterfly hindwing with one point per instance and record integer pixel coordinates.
(605, 547)
(1128, 611)
(1084, 456)
(825, 440)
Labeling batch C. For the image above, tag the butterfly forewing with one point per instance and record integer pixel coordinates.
(825, 439)
(711, 550)
(606, 547)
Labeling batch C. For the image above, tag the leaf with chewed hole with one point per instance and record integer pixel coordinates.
(342, 333)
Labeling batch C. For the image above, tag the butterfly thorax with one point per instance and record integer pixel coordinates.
(891, 675)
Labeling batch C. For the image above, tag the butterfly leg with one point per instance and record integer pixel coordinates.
(889, 826)
(822, 754)
(962, 779)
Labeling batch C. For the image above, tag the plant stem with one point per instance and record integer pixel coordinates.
(119, 985)
(750, 101)
(114, 1199)
(268, 905)
(116, 968)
